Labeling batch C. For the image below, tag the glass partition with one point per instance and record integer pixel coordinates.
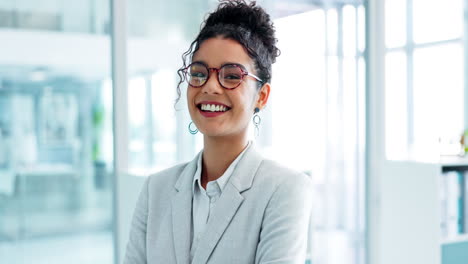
(158, 33)
(56, 149)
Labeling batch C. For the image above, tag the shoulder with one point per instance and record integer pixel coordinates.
(279, 174)
(166, 177)
(275, 179)
(291, 191)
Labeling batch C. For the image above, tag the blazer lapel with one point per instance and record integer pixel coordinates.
(223, 212)
(228, 204)
(182, 213)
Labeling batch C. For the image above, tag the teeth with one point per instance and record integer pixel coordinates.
(213, 108)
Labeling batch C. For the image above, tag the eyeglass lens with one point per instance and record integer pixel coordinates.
(229, 76)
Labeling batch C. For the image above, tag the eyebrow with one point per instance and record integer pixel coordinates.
(226, 63)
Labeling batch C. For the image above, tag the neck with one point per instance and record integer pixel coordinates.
(218, 154)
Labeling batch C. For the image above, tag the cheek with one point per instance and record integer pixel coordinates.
(189, 92)
(190, 96)
(251, 98)
(248, 103)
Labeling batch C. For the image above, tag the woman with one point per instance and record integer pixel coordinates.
(228, 205)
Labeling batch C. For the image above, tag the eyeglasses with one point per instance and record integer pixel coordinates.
(230, 76)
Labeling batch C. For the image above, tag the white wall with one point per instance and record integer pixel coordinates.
(409, 213)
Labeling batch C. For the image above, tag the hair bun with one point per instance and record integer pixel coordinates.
(248, 16)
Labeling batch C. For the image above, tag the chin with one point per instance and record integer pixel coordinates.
(212, 132)
(220, 133)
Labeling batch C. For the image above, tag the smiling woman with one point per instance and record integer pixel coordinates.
(229, 204)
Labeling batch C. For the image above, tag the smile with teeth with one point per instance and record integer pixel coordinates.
(213, 108)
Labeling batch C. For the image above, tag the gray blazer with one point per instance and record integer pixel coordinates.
(262, 216)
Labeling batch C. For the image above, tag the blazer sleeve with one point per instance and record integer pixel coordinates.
(136, 247)
(284, 232)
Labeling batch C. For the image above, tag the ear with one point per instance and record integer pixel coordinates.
(263, 96)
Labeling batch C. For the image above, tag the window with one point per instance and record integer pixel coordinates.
(315, 122)
(424, 84)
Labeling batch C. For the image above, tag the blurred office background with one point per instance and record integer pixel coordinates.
(369, 98)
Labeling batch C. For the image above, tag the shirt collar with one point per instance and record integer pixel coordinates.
(221, 181)
(197, 176)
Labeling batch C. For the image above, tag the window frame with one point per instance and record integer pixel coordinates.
(409, 48)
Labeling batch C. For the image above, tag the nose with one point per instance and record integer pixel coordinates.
(212, 85)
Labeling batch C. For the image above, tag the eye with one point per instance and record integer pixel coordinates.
(197, 74)
(198, 71)
(231, 73)
(232, 76)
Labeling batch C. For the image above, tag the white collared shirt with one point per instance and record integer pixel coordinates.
(204, 200)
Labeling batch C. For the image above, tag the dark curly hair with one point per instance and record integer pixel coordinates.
(245, 23)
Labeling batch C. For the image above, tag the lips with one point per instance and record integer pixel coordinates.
(212, 109)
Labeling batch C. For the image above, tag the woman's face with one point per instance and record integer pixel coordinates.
(238, 103)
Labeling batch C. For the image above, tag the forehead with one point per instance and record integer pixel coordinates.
(218, 51)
